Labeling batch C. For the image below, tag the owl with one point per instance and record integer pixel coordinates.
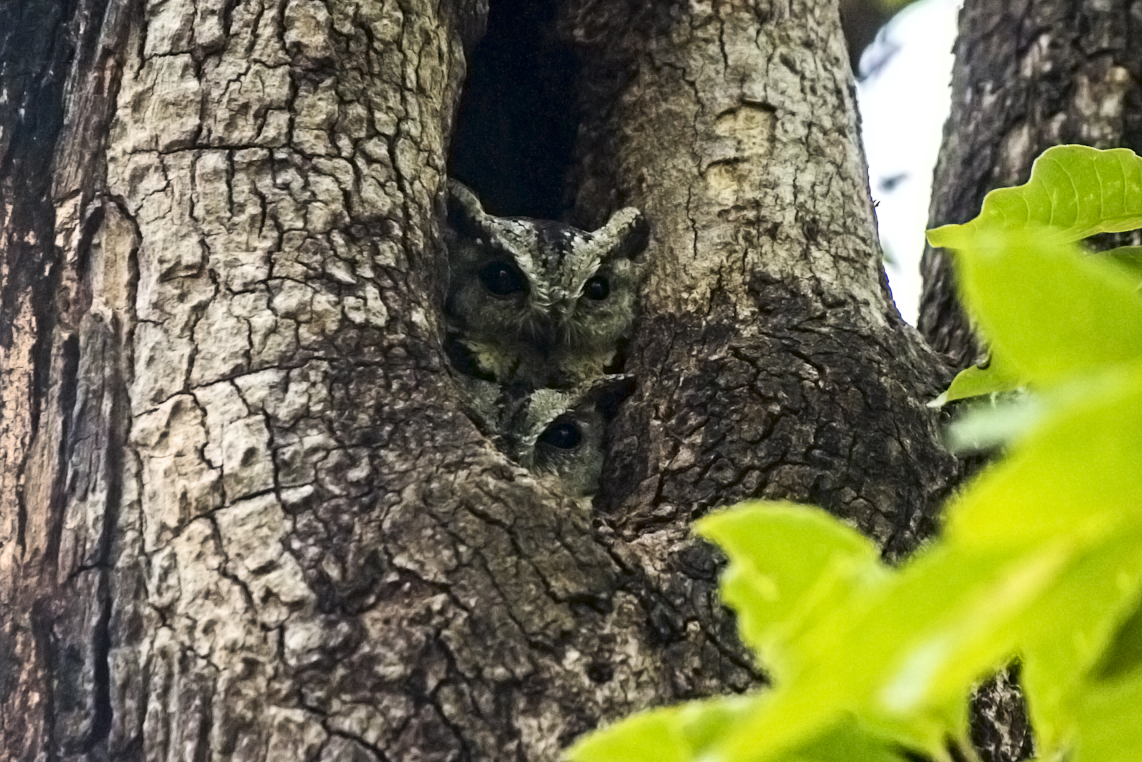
(537, 302)
(552, 431)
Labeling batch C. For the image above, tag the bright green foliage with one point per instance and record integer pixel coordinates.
(1070, 315)
(1017, 240)
(998, 376)
(1040, 558)
(793, 566)
(1075, 191)
(989, 425)
(1059, 656)
(675, 734)
(1109, 720)
(1130, 258)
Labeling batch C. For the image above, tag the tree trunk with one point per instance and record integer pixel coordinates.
(31, 85)
(243, 514)
(773, 363)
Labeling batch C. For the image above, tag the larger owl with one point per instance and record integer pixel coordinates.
(552, 431)
(537, 302)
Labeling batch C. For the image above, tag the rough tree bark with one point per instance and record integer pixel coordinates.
(242, 513)
(771, 360)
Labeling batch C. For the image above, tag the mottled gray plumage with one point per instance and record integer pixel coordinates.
(555, 431)
(537, 302)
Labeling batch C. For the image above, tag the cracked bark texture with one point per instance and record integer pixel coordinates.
(1028, 74)
(772, 363)
(242, 516)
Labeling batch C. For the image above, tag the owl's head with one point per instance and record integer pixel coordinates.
(541, 282)
(562, 431)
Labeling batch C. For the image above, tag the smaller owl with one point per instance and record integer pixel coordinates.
(554, 431)
(537, 302)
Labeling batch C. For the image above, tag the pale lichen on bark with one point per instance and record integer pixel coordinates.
(246, 151)
(315, 552)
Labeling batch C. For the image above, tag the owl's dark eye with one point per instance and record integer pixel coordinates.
(563, 435)
(502, 279)
(597, 288)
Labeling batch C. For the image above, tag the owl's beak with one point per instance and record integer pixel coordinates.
(542, 330)
(563, 324)
(547, 334)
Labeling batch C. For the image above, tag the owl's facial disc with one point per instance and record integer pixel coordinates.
(503, 279)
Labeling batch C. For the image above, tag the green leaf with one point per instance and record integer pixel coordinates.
(1108, 722)
(1077, 473)
(847, 741)
(675, 734)
(1127, 257)
(977, 626)
(1068, 631)
(996, 377)
(687, 733)
(1077, 190)
(903, 654)
(788, 563)
(1074, 314)
(985, 426)
(652, 736)
(1124, 653)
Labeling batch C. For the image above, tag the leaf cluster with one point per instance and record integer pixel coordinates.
(1040, 558)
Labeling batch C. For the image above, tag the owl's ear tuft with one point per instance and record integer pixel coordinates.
(626, 234)
(465, 213)
(609, 392)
